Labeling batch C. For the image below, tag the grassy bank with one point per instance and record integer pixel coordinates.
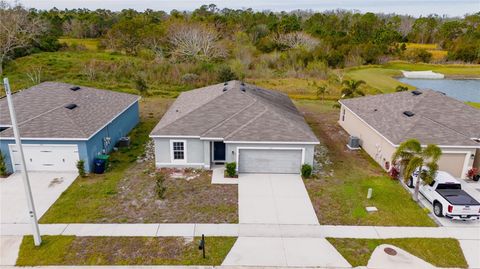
(441, 252)
(71, 250)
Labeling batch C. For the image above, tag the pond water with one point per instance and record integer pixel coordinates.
(461, 89)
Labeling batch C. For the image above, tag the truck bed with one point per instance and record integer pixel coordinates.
(457, 197)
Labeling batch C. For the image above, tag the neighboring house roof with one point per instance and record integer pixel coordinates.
(234, 115)
(41, 111)
(438, 119)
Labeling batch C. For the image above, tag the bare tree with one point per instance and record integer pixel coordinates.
(17, 29)
(297, 40)
(190, 41)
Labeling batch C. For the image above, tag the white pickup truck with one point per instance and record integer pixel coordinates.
(448, 198)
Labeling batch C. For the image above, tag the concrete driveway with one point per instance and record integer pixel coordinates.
(274, 199)
(46, 188)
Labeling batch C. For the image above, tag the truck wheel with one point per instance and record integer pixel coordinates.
(438, 209)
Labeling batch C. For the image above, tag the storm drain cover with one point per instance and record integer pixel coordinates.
(390, 251)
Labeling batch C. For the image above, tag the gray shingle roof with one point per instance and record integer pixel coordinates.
(41, 111)
(235, 115)
(438, 119)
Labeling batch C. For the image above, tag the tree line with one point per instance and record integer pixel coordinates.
(336, 38)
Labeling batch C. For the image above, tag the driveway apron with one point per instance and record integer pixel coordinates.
(274, 199)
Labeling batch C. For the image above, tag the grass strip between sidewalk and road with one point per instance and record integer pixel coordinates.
(72, 250)
(441, 252)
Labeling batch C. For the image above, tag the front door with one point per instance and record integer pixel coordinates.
(218, 152)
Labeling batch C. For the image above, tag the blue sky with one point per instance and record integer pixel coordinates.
(411, 7)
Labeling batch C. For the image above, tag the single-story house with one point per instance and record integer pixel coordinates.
(261, 130)
(60, 124)
(384, 121)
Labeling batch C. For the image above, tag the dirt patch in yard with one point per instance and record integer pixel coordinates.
(189, 198)
(338, 193)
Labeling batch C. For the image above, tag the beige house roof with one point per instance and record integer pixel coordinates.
(41, 110)
(235, 112)
(438, 119)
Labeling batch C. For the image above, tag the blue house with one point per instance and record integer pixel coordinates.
(60, 124)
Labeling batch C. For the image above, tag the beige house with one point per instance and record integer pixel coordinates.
(384, 121)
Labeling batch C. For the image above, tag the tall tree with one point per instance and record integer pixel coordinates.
(412, 157)
(17, 30)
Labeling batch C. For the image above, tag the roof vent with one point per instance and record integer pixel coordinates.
(408, 113)
(225, 84)
(75, 88)
(242, 89)
(225, 89)
(416, 92)
(243, 83)
(71, 106)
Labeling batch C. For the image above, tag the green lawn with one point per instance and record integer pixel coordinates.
(71, 250)
(441, 252)
(473, 104)
(346, 176)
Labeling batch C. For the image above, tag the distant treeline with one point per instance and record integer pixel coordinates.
(336, 38)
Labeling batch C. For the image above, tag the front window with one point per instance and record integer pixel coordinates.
(178, 150)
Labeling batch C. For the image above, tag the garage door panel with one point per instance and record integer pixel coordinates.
(270, 161)
(452, 163)
(46, 157)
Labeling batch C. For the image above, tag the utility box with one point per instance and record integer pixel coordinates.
(353, 143)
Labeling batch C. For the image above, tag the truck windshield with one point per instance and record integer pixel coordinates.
(449, 186)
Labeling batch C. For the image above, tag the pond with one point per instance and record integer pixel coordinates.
(461, 89)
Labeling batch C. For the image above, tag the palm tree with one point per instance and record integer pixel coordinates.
(321, 91)
(412, 157)
(352, 88)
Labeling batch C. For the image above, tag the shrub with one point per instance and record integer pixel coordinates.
(306, 170)
(141, 85)
(401, 88)
(3, 165)
(419, 55)
(472, 172)
(230, 168)
(226, 74)
(81, 168)
(159, 184)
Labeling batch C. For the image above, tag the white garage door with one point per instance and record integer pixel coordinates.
(270, 161)
(46, 157)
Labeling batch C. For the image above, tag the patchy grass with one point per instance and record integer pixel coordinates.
(437, 53)
(297, 88)
(126, 192)
(441, 252)
(71, 250)
(89, 43)
(347, 175)
(473, 104)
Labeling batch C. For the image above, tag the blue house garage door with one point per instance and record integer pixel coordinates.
(270, 161)
(55, 157)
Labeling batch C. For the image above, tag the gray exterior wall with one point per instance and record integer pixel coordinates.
(195, 153)
(199, 152)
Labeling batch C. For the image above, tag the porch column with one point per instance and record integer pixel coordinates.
(206, 154)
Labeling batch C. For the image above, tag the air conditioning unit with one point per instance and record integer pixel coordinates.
(353, 143)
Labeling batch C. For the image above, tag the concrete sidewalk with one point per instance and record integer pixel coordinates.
(243, 230)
